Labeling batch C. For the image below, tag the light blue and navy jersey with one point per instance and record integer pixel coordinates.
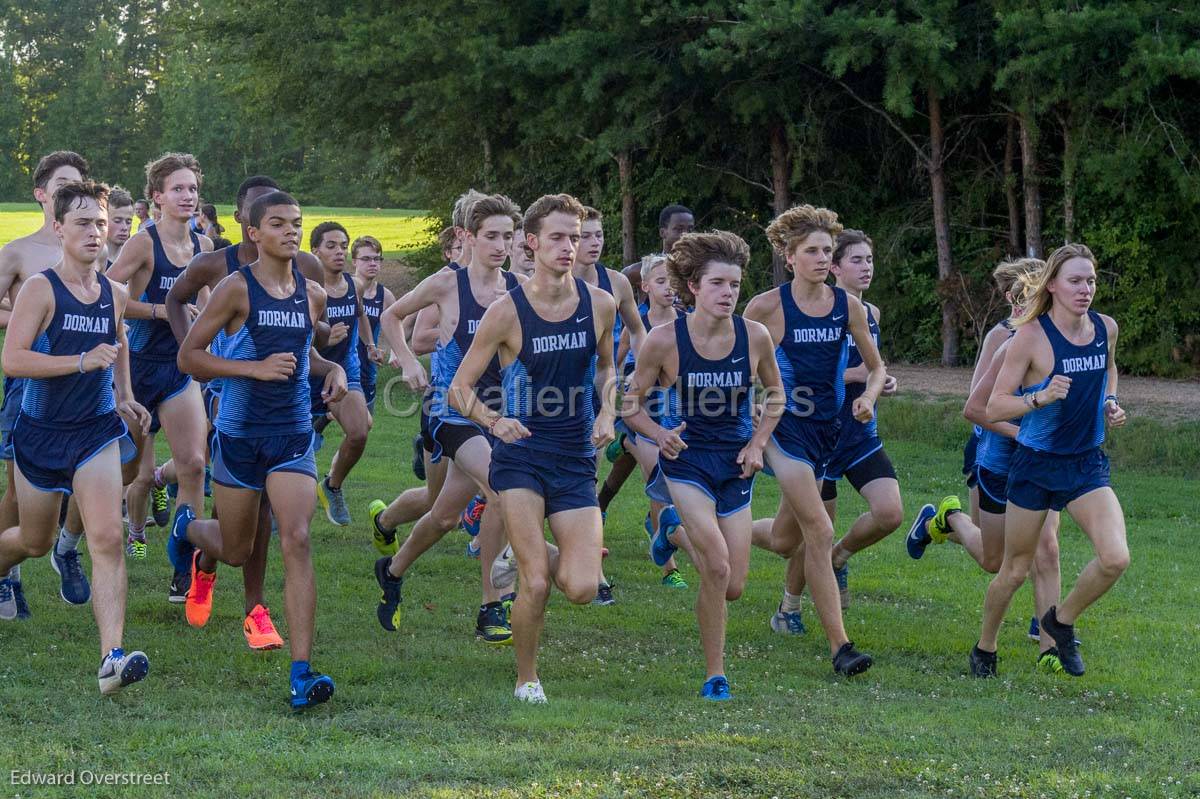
(852, 429)
(1075, 424)
(711, 396)
(549, 385)
(452, 352)
(152, 339)
(75, 327)
(603, 281)
(255, 408)
(217, 347)
(373, 307)
(344, 309)
(434, 365)
(812, 357)
(994, 451)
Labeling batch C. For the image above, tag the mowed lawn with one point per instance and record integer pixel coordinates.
(428, 711)
(398, 230)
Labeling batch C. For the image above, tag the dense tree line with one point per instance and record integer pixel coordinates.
(956, 134)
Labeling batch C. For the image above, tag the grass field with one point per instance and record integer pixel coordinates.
(429, 712)
(398, 230)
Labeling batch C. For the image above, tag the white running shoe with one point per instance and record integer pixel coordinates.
(531, 692)
(119, 669)
(504, 569)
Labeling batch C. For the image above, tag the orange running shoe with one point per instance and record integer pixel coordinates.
(260, 632)
(198, 606)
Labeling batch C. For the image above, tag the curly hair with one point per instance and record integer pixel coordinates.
(795, 224)
(695, 252)
(158, 170)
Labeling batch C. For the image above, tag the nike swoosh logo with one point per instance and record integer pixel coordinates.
(299, 300)
(577, 321)
(839, 316)
(735, 360)
(106, 306)
(744, 493)
(297, 455)
(1098, 343)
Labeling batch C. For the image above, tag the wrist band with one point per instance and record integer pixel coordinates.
(1034, 399)
(492, 424)
(1112, 397)
(81, 362)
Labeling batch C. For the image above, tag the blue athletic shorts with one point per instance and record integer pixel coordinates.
(155, 382)
(14, 392)
(993, 490)
(969, 451)
(368, 390)
(315, 384)
(1044, 481)
(713, 471)
(807, 440)
(565, 482)
(211, 392)
(245, 462)
(849, 454)
(48, 455)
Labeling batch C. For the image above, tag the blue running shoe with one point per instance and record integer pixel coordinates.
(19, 598)
(208, 481)
(918, 535)
(661, 548)
(716, 689)
(1035, 630)
(842, 576)
(311, 688)
(8, 603)
(473, 515)
(473, 549)
(648, 526)
(74, 588)
(179, 549)
(118, 670)
(390, 589)
(173, 490)
(787, 622)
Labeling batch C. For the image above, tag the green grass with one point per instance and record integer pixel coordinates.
(399, 230)
(428, 711)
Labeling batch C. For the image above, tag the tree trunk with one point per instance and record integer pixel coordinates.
(941, 228)
(1029, 180)
(780, 173)
(1068, 178)
(628, 218)
(1010, 189)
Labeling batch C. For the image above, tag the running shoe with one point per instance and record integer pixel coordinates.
(19, 598)
(1035, 631)
(384, 540)
(918, 535)
(418, 461)
(333, 500)
(208, 481)
(260, 631)
(506, 602)
(716, 689)
(73, 583)
(1064, 641)
(842, 576)
(180, 583)
(173, 490)
(504, 569)
(309, 689)
(491, 625)
(849, 661)
(471, 517)
(388, 610)
(1049, 663)
(160, 510)
(661, 548)
(135, 548)
(179, 549)
(8, 603)
(473, 549)
(604, 595)
(648, 526)
(531, 692)
(198, 606)
(615, 448)
(982, 664)
(787, 622)
(939, 528)
(673, 579)
(118, 669)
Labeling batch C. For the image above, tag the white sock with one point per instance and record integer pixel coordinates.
(67, 542)
(14, 573)
(791, 603)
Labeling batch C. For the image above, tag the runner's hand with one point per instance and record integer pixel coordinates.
(669, 442)
(100, 357)
(277, 366)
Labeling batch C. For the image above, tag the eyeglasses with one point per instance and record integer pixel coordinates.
(370, 259)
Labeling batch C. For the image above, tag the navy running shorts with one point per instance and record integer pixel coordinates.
(807, 440)
(14, 392)
(315, 385)
(245, 462)
(155, 382)
(993, 490)
(1044, 481)
(49, 455)
(714, 471)
(969, 450)
(565, 482)
(875, 465)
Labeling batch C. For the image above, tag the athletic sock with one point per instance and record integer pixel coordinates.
(330, 485)
(383, 530)
(790, 603)
(300, 668)
(67, 542)
(159, 480)
(137, 533)
(14, 573)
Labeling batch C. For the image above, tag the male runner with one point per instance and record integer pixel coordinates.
(120, 222)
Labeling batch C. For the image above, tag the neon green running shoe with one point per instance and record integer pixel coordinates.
(1049, 663)
(939, 528)
(384, 540)
(135, 548)
(673, 579)
(615, 448)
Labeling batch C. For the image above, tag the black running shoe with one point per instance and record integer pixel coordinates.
(604, 595)
(491, 625)
(388, 610)
(849, 661)
(418, 461)
(983, 664)
(1064, 641)
(180, 584)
